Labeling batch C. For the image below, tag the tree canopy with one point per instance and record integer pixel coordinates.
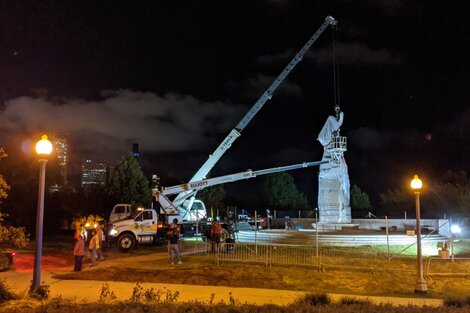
(128, 183)
(280, 192)
(447, 194)
(4, 187)
(360, 203)
(213, 197)
(10, 236)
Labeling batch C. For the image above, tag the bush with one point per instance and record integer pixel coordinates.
(457, 302)
(106, 295)
(149, 296)
(352, 300)
(5, 293)
(12, 237)
(41, 292)
(314, 299)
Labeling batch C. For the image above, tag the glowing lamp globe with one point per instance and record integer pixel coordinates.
(416, 183)
(44, 146)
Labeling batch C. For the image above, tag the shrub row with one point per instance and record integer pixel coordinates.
(165, 301)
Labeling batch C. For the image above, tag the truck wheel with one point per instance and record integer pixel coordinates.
(223, 235)
(126, 242)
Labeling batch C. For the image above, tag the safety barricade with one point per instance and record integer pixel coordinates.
(279, 254)
(267, 254)
(447, 266)
(196, 246)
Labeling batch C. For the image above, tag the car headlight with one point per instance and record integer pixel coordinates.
(113, 232)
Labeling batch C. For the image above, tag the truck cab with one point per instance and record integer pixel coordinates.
(144, 228)
(119, 212)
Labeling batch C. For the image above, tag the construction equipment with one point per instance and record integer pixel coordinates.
(185, 199)
(170, 209)
(147, 228)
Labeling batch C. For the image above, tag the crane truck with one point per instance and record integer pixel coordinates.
(147, 228)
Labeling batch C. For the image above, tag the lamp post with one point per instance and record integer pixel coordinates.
(43, 149)
(421, 287)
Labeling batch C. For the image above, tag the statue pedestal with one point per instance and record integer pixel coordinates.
(331, 205)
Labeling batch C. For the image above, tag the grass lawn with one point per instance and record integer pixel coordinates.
(202, 270)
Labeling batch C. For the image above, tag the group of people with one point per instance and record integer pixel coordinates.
(95, 246)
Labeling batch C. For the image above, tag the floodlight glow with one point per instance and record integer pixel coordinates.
(416, 183)
(455, 229)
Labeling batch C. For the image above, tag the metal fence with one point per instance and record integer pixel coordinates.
(268, 254)
(279, 254)
(197, 247)
(448, 266)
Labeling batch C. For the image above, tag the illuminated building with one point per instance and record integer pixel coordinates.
(61, 144)
(94, 174)
(135, 150)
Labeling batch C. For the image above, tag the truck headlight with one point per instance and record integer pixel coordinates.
(113, 232)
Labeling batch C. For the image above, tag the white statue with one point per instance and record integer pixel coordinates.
(333, 180)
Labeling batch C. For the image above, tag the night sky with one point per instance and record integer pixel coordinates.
(177, 76)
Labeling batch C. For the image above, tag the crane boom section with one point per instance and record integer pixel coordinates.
(267, 95)
(236, 132)
(201, 184)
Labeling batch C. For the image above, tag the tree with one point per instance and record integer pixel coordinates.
(15, 237)
(213, 197)
(448, 194)
(3, 184)
(360, 203)
(280, 192)
(128, 183)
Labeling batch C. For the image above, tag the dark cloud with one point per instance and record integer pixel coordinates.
(366, 138)
(354, 53)
(346, 53)
(169, 123)
(267, 59)
(461, 125)
(257, 85)
(389, 7)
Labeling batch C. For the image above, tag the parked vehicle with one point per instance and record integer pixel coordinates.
(6, 260)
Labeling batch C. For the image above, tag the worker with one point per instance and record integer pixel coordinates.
(78, 253)
(100, 239)
(216, 232)
(174, 234)
(94, 244)
(80, 230)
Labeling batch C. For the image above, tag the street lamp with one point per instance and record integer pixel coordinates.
(421, 287)
(43, 149)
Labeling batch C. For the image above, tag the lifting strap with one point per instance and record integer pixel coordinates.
(336, 89)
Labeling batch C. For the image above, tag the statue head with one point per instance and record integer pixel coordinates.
(337, 108)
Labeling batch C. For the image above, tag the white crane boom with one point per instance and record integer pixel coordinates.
(236, 132)
(169, 207)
